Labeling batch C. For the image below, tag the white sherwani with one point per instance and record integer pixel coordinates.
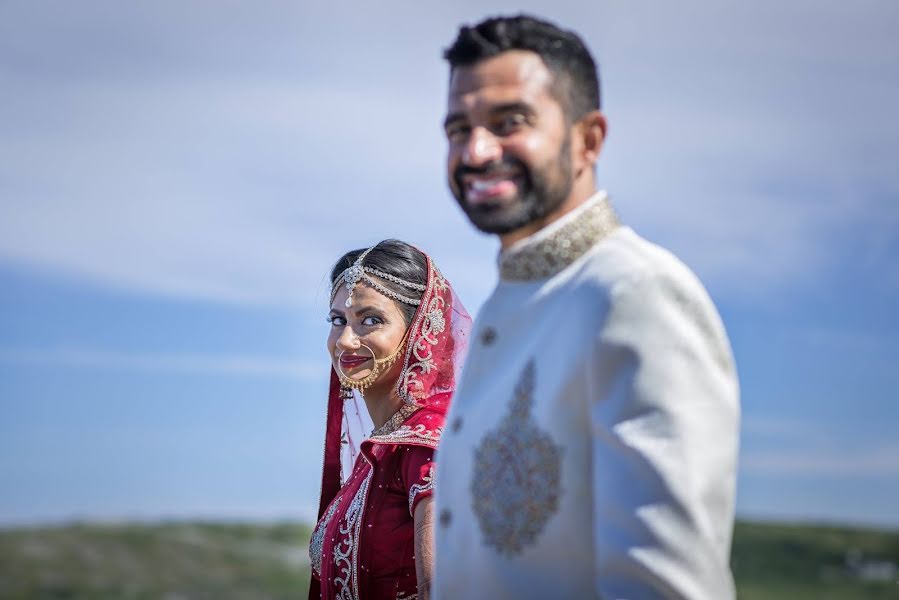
(591, 447)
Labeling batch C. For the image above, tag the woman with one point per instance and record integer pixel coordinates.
(396, 342)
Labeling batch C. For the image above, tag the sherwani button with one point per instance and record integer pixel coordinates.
(488, 336)
(445, 517)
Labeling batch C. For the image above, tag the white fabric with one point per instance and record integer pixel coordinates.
(635, 382)
(355, 429)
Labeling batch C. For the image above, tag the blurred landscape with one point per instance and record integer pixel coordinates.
(172, 561)
(199, 560)
(177, 178)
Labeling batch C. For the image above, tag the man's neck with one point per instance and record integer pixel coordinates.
(575, 199)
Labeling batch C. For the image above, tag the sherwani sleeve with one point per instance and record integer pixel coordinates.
(664, 422)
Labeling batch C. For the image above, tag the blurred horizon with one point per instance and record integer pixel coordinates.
(176, 181)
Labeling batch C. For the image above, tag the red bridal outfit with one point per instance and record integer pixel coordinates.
(363, 544)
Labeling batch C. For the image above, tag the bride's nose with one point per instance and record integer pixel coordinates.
(348, 340)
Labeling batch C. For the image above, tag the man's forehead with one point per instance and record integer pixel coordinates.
(510, 72)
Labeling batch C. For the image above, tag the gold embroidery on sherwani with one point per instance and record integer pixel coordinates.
(544, 257)
(517, 475)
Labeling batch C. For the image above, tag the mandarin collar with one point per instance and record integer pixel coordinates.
(550, 250)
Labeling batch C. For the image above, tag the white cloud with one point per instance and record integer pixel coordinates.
(235, 161)
(773, 446)
(772, 426)
(841, 462)
(90, 358)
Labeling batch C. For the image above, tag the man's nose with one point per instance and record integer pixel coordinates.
(482, 148)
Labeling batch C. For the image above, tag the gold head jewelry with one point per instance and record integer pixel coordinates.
(357, 272)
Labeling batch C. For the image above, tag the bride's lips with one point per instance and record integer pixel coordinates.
(350, 361)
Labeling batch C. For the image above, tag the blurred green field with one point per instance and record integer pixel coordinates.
(171, 561)
(803, 562)
(199, 561)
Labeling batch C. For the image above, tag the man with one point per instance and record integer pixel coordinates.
(591, 447)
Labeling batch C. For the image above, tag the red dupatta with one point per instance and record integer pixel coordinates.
(438, 338)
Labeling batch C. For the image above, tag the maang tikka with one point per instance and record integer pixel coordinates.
(357, 272)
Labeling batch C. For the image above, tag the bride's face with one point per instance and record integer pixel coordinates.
(373, 327)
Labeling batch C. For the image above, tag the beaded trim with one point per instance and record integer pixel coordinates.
(346, 551)
(394, 422)
(316, 544)
(419, 435)
(357, 272)
(420, 488)
(428, 325)
(412, 286)
(543, 256)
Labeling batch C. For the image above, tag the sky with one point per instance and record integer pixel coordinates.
(177, 178)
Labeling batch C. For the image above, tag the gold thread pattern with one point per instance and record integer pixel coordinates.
(516, 482)
(394, 422)
(346, 551)
(419, 434)
(545, 257)
(418, 488)
(316, 544)
(432, 323)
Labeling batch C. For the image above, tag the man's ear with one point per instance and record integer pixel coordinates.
(591, 129)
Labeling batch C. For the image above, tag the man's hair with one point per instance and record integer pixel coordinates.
(575, 77)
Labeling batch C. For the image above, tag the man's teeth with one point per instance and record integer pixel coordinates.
(480, 185)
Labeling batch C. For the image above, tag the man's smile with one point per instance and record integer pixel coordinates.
(501, 183)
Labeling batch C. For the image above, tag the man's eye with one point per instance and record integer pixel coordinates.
(510, 123)
(456, 133)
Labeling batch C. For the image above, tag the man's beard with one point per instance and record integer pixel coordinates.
(538, 195)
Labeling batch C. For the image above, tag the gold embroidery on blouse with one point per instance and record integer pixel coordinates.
(346, 551)
(545, 256)
(419, 434)
(418, 488)
(394, 422)
(316, 545)
(516, 482)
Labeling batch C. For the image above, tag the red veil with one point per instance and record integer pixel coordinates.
(437, 340)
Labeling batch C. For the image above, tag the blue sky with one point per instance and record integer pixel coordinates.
(177, 178)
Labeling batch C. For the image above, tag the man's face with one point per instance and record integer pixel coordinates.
(509, 159)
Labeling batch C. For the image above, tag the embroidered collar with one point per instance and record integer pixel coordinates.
(394, 422)
(550, 250)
